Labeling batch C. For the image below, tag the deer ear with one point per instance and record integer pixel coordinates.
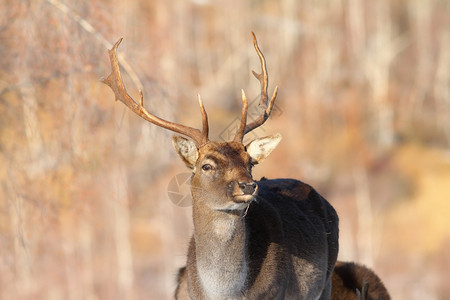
(260, 148)
(186, 149)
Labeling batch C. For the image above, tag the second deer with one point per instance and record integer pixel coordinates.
(356, 282)
(266, 239)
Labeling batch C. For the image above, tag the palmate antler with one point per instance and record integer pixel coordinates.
(264, 102)
(114, 81)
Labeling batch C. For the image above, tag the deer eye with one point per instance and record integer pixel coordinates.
(207, 167)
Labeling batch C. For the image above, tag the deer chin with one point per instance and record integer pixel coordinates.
(238, 204)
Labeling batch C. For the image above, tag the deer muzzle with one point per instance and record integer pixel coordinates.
(244, 192)
(248, 188)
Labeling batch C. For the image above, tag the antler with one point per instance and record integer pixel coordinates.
(264, 102)
(114, 81)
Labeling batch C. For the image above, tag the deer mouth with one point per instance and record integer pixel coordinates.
(242, 193)
(240, 203)
(243, 198)
(246, 196)
(240, 199)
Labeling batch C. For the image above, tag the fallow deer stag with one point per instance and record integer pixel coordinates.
(267, 239)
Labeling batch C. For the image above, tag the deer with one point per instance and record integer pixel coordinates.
(352, 281)
(252, 239)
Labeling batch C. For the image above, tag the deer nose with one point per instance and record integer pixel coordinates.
(248, 188)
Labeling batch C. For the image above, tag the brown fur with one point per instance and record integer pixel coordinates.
(288, 238)
(349, 277)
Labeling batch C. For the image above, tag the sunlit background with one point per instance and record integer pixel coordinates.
(88, 205)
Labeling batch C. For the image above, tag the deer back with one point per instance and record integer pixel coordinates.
(293, 232)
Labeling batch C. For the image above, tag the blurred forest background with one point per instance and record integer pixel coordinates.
(363, 106)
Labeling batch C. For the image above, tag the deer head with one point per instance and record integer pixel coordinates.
(221, 170)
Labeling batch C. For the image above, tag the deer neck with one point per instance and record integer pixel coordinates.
(221, 251)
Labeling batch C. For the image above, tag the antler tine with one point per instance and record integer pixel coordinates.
(262, 77)
(240, 133)
(114, 81)
(204, 118)
(264, 81)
